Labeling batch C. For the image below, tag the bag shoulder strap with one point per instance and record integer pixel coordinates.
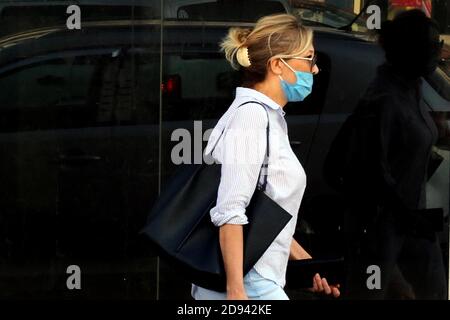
(266, 158)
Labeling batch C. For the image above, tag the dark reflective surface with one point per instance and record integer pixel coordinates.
(80, 166)
(381, 162)
(87, 122)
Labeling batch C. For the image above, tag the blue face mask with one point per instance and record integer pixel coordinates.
(300, 89)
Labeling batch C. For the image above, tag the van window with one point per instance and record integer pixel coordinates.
(203, 86)
(68, 92)
(16, 18)
(440, 81)
(246, 10)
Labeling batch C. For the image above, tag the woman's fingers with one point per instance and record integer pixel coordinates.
(315, 286)
(318, 282)
(336, 292)
(326, 287)
(320, 285)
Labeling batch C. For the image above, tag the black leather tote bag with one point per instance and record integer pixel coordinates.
(180, 226)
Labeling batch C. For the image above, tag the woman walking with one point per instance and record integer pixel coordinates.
(278, 61)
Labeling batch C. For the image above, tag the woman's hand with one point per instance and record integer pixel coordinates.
(320, 285)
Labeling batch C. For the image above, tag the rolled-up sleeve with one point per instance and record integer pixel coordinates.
(243, 152)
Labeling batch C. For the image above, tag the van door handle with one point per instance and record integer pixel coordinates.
(295, 142)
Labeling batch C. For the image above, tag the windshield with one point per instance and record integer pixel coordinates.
(353, 16)
(331, 13)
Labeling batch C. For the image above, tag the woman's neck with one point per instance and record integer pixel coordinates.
(270, 89)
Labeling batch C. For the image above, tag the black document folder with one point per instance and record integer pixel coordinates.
(300, 273)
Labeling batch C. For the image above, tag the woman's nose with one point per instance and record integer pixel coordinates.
(315, 69)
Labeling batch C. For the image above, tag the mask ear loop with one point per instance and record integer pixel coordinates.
(287, 65)
(289, 68)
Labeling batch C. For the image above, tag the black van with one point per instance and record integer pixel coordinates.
(87, 122)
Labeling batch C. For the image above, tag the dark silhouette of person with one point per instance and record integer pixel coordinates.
(393, 135)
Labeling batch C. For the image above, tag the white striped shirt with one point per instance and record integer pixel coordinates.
(244, 140)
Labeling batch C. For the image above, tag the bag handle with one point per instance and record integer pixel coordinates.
(265, 164)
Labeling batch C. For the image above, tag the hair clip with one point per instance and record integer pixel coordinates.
(243, 57)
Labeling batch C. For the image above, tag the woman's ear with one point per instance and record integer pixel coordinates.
(275, 67)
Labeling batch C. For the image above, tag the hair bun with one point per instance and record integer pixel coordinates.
(242, 57)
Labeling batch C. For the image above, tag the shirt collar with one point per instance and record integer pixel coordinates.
(261, 97)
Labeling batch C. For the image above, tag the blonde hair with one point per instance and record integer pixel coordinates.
(274, 36)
